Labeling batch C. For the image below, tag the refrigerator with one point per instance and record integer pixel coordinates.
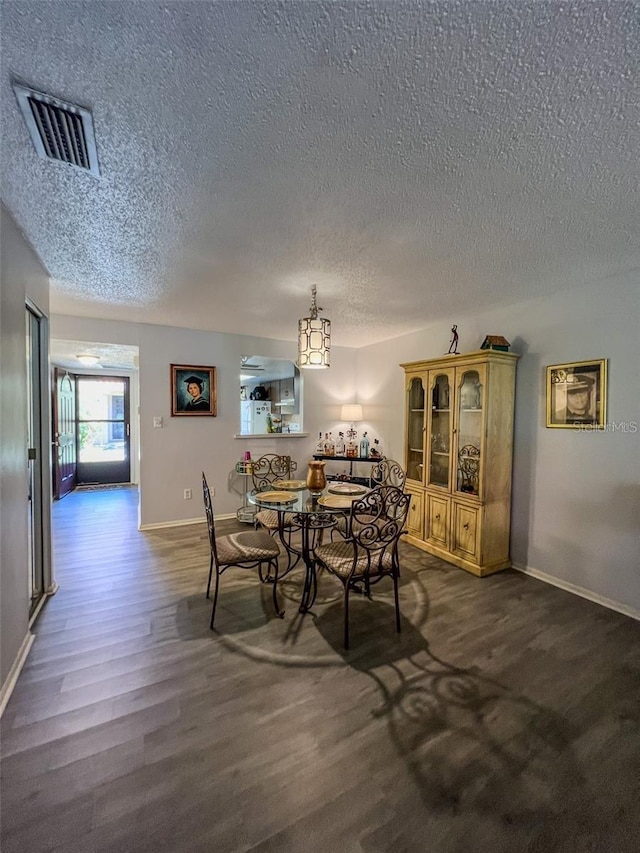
(254, 416)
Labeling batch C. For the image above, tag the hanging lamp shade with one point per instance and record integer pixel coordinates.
(314, 338)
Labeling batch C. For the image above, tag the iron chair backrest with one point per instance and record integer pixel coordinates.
(208, 508)
(375, 526)
(269, 468)
(388, 472)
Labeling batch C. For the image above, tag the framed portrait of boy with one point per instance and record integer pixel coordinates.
(193, 391)
(577, 394)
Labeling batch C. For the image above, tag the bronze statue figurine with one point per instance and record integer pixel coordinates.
(453, 346)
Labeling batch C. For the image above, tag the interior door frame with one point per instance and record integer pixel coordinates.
(41, 482)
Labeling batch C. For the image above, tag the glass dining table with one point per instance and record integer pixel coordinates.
(314, 514)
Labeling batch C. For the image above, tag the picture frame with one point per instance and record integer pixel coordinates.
(193, 391)
(577, 395)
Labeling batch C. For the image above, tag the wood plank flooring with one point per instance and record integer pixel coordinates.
(504, 718)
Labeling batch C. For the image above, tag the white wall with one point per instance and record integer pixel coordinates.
(576, 495)
(21, 276)
(172, 458)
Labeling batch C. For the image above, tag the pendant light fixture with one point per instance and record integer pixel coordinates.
(314, 338)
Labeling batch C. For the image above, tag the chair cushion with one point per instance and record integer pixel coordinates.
(269, 518)
(246, 546)
(338, 558)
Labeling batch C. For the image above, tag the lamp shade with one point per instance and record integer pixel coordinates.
(314, 338)
(314, 343)
(351, 412)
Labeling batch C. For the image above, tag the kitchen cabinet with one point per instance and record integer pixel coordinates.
(283, 394)
(458, 457)
(287, 395)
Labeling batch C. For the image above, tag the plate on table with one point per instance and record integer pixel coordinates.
(277, 497)
(292, 485)
(337, 501)
(347, 489)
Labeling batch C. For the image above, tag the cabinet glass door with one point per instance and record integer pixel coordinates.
(440, 433)
(415, 429)
(470, 425)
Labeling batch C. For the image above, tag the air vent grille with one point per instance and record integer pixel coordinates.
(59, 131)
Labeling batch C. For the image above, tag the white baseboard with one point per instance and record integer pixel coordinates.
(14, 672)
(184, 522)
(49, 591)
(579, 590)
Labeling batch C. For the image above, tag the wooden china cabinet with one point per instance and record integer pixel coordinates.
(458, 453)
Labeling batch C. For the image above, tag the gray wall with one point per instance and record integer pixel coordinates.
(172, 458)
(21, 276)
(576, 495)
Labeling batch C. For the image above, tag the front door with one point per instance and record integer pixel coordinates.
(64, 432)
(103, 429)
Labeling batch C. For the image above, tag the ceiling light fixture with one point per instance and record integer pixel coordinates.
(314, 338)
(88, 360)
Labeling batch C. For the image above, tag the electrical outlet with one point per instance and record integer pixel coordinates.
(213, 491)
(187, 494)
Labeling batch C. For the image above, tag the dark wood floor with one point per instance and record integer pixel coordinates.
(504, 718)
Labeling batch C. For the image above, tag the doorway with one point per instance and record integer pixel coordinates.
(103, 433)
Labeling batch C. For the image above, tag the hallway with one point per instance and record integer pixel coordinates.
(507, 711)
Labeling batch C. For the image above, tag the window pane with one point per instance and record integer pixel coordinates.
(100, 399)
(101, 442)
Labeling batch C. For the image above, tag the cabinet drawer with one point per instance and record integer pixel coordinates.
(415, 514)
(465, 531)
(438, 520)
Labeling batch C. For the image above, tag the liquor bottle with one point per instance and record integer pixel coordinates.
(376, 450)
(340, 444)
(320, 444)
(364, 446)
(329, 446)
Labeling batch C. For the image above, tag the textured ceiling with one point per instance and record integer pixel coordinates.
(410, 158)
(116, 356)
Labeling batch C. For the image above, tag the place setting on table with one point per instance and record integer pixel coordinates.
(340, 496)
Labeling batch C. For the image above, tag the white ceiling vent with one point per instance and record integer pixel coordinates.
(59, 131)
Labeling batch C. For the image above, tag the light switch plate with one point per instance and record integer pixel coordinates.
(157, 423)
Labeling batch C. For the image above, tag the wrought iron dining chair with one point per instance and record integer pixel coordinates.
(370, 551)
(248, 549)
(388, 472)
(266, 471)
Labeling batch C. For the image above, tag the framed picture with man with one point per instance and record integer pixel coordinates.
(193, 391)
(577, 394)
